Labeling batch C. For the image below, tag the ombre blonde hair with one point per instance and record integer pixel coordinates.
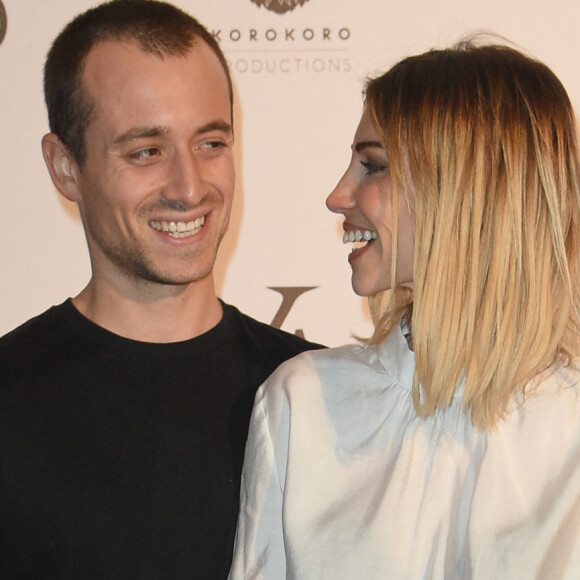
(485, 137)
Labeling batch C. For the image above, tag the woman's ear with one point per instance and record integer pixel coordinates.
(62, 167)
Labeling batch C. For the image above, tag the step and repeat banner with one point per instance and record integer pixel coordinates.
(298, 67)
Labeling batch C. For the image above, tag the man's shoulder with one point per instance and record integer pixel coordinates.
(33, 347)
(34, 329)
(265, 338)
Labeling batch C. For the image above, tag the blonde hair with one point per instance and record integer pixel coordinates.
(490, 139)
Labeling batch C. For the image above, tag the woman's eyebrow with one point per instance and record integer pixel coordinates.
(358, 147)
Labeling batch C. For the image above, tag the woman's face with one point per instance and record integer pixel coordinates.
(363, 196)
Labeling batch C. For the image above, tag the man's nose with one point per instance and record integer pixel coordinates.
(185, 181)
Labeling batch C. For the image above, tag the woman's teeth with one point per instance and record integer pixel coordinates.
(358, 236)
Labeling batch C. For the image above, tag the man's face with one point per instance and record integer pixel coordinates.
(156, 189)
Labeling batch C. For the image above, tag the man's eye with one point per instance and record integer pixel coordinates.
(373, 167)
(212, 145)
(145, 154)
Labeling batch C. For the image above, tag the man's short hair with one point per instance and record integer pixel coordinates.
(157, 27)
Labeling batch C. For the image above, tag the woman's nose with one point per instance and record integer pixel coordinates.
(341, 198)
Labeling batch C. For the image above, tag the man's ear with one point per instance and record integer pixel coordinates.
(62, 167)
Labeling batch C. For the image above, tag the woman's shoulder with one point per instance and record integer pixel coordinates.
(561, 385)
(549, 403)
(321, 362)
(392, 358)
(337, 374)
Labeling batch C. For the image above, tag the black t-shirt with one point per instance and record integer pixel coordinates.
(122, 459)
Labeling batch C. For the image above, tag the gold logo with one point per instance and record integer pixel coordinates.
(3, 22)
(279, 6)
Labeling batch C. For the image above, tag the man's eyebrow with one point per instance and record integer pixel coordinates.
(216, 126)
(361, 145)
(148, 132)
(139, 133)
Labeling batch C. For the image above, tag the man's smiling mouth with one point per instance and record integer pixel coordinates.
(178, 229)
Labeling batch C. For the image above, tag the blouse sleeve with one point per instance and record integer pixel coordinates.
(259, 546)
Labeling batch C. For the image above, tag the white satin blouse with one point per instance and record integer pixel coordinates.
(343, 481)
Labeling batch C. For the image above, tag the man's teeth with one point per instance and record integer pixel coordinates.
(179, 229)
(358, 236)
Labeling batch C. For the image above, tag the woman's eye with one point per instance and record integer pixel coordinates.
(373, 167)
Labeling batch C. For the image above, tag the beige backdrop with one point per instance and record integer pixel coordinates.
(298, 77)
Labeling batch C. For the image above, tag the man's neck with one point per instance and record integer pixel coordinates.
(160, 314)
